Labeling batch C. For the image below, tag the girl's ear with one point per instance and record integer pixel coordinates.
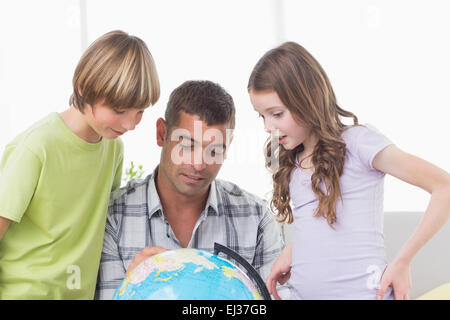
(161, 129)
(79, 91)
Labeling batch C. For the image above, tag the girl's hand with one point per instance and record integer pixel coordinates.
(280, 271)
(397, 275)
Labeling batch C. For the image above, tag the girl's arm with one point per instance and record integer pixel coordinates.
(280, 271)
(435, 181)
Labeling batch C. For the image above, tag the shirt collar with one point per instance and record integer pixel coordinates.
(154, 202)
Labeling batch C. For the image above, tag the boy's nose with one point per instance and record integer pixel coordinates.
(129, 124)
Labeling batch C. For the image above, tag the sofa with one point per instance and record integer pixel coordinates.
(430, 268)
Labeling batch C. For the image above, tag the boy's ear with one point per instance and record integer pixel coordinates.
(161, 129)
(79, 91)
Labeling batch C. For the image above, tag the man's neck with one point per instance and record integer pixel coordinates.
(181, 211)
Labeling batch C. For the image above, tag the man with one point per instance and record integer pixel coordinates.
(182, 204)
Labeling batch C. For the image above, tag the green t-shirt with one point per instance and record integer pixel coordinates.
(55, 187)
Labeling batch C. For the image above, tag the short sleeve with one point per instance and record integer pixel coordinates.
(19, 174)
(366, 142)
(118, 176)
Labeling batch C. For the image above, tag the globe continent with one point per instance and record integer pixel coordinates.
(186, 274)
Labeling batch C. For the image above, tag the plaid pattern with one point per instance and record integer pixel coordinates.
(232, 217)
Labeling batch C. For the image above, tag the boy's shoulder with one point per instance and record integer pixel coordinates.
(37, 135)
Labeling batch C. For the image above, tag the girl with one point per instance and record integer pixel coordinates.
(333, 174)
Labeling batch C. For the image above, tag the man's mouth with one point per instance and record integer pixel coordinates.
(192, 177)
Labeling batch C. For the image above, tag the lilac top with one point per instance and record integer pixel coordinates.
(345, 262)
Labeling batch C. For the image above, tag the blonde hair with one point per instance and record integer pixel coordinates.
(303, 87)
(118, 70)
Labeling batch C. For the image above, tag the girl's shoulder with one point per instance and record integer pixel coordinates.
(362, 133)
(365, 141)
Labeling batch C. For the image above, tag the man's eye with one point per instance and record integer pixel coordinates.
(216, 152)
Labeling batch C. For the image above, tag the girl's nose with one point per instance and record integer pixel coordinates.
(268, 127)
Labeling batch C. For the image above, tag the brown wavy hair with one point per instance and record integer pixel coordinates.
(304, 88)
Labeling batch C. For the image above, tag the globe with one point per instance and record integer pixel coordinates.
(186, 274)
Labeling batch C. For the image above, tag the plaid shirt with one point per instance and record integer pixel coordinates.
(232, 217)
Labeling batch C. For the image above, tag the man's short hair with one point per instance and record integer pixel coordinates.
(117, 69)
(204, 98)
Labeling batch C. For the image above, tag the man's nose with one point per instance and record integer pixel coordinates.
(198, 163)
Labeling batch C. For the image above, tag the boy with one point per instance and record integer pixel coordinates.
(56, 177)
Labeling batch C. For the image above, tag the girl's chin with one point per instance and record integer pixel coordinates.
(288, 146)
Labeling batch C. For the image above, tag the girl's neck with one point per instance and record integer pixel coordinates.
(304, 158)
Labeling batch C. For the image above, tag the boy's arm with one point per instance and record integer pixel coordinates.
(4, 224)
(112, 270)
(20, 170)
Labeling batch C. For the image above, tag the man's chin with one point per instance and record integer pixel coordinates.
(190, 190)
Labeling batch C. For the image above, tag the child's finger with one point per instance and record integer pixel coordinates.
(274, 290)
(382, 290)
(284, 277)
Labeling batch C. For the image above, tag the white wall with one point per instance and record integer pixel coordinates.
(388, 62)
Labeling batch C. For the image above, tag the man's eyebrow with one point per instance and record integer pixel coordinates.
(223, 145)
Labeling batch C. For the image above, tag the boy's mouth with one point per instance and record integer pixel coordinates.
(118, 132)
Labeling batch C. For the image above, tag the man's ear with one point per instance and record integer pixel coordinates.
(161, 130)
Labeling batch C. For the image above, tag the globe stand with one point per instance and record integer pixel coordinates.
(252, 273)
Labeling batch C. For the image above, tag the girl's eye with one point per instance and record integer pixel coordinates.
(260, 115)
(119, 112)
(278, 114)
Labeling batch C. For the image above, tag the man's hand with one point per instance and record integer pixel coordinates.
(146, 253)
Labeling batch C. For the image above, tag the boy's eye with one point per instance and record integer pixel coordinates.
(119, 112)
(260, 115)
